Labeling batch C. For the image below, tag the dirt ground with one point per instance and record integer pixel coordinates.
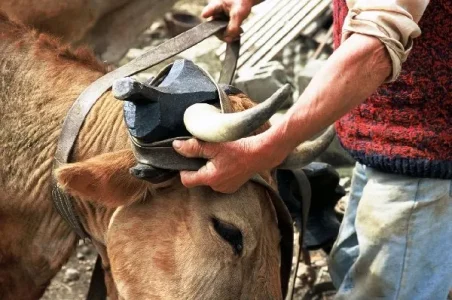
(72, 281)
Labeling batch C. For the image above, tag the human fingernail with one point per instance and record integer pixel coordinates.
(177, 144)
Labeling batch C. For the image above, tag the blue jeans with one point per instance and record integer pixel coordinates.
(395, 241)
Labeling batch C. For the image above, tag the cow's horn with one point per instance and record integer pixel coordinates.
(308, 151)
(207, 123)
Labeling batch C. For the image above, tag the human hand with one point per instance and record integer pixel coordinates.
(237, 10)
(229, 164)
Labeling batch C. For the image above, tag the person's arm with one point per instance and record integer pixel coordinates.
(374, 32)
(377, 38)
(351, 74)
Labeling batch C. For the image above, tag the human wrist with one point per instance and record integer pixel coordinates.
(271, 148)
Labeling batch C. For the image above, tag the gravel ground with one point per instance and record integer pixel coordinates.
(72, 282)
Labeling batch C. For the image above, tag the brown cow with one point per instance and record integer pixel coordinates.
(110, 27)
(157, 241)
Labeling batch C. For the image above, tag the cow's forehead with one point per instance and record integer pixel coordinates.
(249, 201)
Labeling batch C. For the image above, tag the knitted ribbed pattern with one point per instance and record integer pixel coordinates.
(406, 126)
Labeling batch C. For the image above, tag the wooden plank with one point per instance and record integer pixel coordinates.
(271, 27)
(256, 22)
(273, 24)
(291, 30)
(324, 6)
(272, 36)
(315, 25)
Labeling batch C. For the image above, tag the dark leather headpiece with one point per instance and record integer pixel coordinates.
(154, 110)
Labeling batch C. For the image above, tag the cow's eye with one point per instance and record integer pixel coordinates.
(230, 234)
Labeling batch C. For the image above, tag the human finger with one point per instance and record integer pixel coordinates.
(212, 9)
(196, 178)
(233, 30)
(190, 148)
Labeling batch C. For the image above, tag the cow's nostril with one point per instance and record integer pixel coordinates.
(230, 234)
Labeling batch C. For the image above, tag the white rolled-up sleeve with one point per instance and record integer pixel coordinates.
(393, 22)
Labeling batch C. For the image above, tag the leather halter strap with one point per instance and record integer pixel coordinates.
(81, 107)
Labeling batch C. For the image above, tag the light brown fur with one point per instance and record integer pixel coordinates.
(110, 27)
(160, 243)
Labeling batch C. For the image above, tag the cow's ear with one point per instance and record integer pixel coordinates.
(104, 179)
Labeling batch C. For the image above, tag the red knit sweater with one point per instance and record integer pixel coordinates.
(405, 127)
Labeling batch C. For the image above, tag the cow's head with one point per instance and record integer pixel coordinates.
(169, 242)
(165, 241)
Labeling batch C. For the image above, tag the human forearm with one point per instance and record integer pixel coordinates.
(352, 73)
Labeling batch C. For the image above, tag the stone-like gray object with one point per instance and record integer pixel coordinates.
(71, 275)
(80, 256)
(261, 84)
